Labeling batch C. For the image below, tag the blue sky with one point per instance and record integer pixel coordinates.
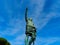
(45, 14)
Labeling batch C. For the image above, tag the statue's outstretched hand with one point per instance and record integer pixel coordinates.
(26, 14)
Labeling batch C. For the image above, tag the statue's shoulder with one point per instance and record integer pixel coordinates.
(28, 19)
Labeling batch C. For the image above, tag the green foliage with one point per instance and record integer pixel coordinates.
(3, 41)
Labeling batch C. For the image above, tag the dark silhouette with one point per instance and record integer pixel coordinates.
(3, 41)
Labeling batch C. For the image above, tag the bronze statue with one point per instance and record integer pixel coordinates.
(30, 30)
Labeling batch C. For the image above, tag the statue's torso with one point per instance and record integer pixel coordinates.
(30, 23)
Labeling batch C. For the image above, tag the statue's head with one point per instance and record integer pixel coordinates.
(30, 19)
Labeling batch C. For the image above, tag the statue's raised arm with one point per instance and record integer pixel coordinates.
(26, 14)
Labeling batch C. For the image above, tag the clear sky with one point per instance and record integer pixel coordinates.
(45, 14)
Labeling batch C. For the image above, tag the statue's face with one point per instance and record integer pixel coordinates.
(30, 19)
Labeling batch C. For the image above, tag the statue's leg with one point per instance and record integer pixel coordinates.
(26, 40)
(32, 39)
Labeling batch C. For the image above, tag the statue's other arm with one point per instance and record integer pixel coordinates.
(26, 14)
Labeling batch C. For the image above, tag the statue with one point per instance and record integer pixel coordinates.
(30, 30)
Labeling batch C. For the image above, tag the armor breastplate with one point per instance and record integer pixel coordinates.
(30, 23)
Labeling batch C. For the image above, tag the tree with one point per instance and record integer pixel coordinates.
(3, 41)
